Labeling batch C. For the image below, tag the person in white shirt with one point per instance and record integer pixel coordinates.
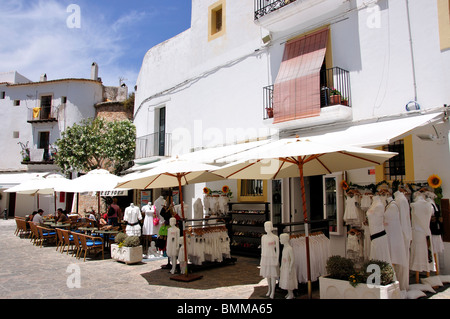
(37, 219)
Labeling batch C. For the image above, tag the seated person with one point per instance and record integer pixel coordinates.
(62, 217)
(37, 219)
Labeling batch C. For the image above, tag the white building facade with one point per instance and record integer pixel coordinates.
(214, 83)
(34, 116)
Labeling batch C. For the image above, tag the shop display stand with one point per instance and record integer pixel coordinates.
(247, 227)
(202, 223)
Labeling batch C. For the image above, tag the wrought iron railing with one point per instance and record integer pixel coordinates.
(334, 89)
(155, 144)
(263, 7)
(42, 114)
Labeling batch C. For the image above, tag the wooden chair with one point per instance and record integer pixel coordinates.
(46, 234)
(90, 243)
(77, 244)
(17, 231)
(22, 228)
(34, 234)
(67, 240)
(60, 240)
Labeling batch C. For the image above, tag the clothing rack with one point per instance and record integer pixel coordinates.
(218, 226)
(321, 225)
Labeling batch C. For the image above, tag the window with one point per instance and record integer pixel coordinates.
(63, 99)
(216, 20)
(394, 169)
(444, 23)
(44, 143)
(2, 95)
(46, 106)
(252, 190)
(16, 102)
(16, 134)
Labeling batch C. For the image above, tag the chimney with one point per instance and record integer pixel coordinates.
(43, 77)
(94, 71)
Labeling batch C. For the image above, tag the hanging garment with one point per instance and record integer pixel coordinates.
(379, 244)
(352, 215)
(319, 247)
(366, 201)
(436, 228)
(132, 216)
(422, 256)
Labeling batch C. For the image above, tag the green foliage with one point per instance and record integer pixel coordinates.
(120, 237)
(97, 144)
(387, 272)
(132, 241)
(340, 267)
(123, 240)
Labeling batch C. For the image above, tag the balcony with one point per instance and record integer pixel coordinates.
(42, 115)
(39, 156)
(155, 144)
(335, 100)
(282, 15)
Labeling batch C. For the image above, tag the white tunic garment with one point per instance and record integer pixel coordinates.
(132, 215)
(288, 275)
(422, 258)
(269, 256)
(147, 227)
(173, 236)
(379, 247)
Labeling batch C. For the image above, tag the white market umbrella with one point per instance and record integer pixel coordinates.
(174, 172)
(295, 157)
(97, 180)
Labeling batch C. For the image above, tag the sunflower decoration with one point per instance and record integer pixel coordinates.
(344, 185)
(434, 181)
(225, 189)
(206, 190)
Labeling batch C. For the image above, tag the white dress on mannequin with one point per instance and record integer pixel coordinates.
(288, 275)
(132, 216)
(147, 227)
(379, 246)
(422, 256)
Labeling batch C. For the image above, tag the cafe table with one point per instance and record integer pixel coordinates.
(106, 234)
(88, 230)
(58, 225)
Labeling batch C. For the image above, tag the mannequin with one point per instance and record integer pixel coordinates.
(379, 245)
(436, 228)
(152, 252)
(288, 275)
(270, 250)
(181, 255)
(173, 236)
(147, 228)
(421, 247)
(397, 248)
(198, 211)
(132, 216)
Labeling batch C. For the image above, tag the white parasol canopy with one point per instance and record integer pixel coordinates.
(295, 157)
(174, 172)
(96, 180)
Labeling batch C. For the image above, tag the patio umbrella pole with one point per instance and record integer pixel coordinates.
(305, 217)
(184, 277)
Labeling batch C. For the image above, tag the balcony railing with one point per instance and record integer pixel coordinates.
(155, 144)
(42, 114)
(334, 89)
(263, 7)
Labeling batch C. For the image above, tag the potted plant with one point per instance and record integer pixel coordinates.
(127, 249)
(335, 96)
(375, 280)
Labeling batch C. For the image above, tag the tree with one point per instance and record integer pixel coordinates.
(97, 144)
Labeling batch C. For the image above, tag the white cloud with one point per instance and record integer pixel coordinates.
(37, 40)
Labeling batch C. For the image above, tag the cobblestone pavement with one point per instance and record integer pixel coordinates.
(31, 272)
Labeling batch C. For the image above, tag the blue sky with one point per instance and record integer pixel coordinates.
(39, 36)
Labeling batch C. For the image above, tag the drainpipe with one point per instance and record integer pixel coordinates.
(411, 50)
